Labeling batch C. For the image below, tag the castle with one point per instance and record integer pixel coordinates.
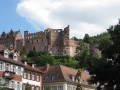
(12, 40)
(52, 41)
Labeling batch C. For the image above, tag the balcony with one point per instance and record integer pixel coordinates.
(9, 74)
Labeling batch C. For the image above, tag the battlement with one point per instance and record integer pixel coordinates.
(39, 34)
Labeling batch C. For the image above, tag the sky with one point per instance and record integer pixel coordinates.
(84, 16)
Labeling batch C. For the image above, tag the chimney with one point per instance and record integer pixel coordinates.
(25, 63)
(47, 66)
(33, 65)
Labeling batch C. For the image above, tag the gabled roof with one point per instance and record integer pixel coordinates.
(60, 73)
(53, 74)
(35, 69)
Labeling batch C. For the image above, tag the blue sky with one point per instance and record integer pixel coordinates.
(84, 16)
(10, 19)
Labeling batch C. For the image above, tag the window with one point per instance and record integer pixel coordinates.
(54, 88)
(15, 57)
(53, 77)
(18, 86)
(28, 75)
(23, 87)
(12, 84)
(7, 67)
(6, 54)
(37, 88)
(1, 66)
(32, 87)
(24, 75)
(14, 68)
(33, 77)
(19, 71)
(0, 81)
(46, 78)
(60, 87)
(37, 78)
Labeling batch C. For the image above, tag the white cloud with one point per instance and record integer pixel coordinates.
(83, 16)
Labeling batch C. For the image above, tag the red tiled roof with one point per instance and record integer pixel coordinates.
(9, 60)
(62, 73)
(19, 63)
(35, 69)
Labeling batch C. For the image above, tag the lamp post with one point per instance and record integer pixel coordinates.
(78, 77)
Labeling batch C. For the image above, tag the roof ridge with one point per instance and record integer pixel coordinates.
(68, 67)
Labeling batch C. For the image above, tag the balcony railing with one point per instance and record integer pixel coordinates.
(9, 74)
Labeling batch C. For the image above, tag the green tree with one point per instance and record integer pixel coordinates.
(106, 72)
(86, 38)
(27, 86)
(102, 40)
(23, 51)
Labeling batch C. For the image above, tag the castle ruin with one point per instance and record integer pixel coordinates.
(53, 41)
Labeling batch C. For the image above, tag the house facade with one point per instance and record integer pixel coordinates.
(59, 77)
(16, 74)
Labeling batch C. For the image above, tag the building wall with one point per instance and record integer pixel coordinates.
(32, 78)
(16, 81)
(64, 86)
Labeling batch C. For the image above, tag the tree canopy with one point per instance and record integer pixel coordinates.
(106, 71)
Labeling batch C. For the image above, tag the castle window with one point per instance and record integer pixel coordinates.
(32, 41)
(42, 40)
(28, 41)
(37, 40)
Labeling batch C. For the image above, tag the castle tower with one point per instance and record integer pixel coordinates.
(66, 41)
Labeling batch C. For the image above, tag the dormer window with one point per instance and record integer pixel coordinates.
(53, 77)
(72, 77)
(15, 57)
(6, 54)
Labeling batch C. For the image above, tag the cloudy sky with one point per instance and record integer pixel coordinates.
(83, 16)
